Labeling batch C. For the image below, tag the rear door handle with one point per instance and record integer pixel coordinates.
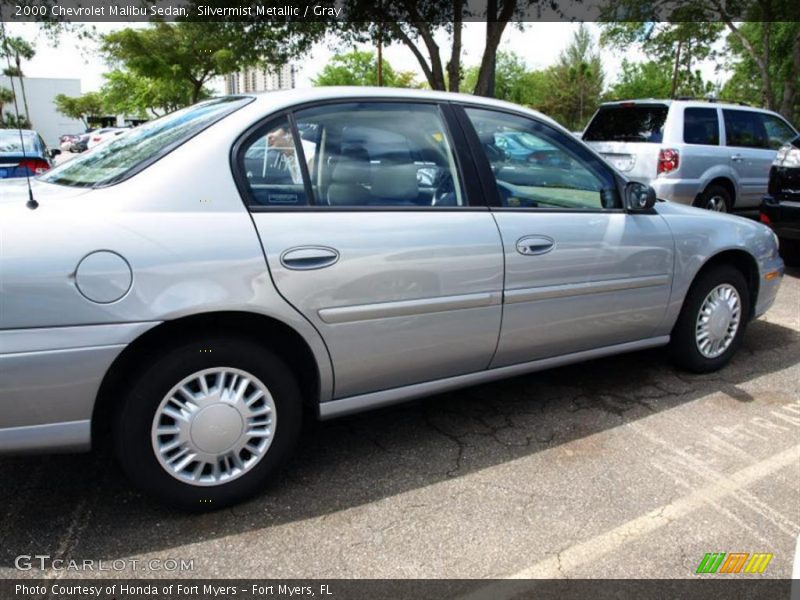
(737, 157)
(533, 245)
(307, 258)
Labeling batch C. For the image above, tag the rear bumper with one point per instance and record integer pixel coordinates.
(676, 190)
(49, 379)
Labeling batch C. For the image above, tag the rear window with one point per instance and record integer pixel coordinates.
(10, 142)
(628, 123)
(701, 126)
(122, 156)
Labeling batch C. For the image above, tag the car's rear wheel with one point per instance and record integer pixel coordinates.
(715, 198)
(208, 422)
(712, 322)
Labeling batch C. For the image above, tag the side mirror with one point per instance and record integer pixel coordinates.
(54, 152)
(639, 198)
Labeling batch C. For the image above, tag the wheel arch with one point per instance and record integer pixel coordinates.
(266, 330)
(742, 260)
(724, 182)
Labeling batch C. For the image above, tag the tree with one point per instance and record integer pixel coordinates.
(80, 107)
(415, 24)
(512, 81)
(17, 49)
(681, 45)
(649, 79)
(361, 68)
(132, 95)
(187, 52)
(6, 97)
(575, 82)
(747, 82)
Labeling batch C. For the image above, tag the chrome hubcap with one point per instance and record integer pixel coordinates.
(718, 320)
(717, 204)
(214, 426)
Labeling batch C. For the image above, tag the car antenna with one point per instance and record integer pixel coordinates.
(31, 203)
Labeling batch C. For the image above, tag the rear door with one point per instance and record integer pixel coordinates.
(580, 272)
(368, 230)
(629, 136)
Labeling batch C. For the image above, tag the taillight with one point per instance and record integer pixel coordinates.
(668, 160)
(764, 218)
(35, 165)
(96, 139)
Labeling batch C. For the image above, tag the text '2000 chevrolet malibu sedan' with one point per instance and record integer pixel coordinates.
(184, 290)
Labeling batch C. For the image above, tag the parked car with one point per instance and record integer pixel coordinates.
(24, 153)
(103, 135)
(211, 273)
(781, 207)
(712, 155)
(80, 143)
(65, 141)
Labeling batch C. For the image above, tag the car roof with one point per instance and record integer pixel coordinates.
(699, 103)
(287, 98)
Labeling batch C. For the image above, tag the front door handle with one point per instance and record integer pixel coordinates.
(307, 258)
(533, 245)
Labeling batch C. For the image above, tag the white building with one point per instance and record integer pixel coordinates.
(44, 117)
(260, 79)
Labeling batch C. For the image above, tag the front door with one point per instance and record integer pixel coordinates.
(580, 272)
(368, 231)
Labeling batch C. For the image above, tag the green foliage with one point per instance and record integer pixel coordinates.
(574, 83)
(361, 68)
(677, 47)
(513, 81)
(132, 95)
(12, 122)
(185, 53)
(745, 83)
(652, 79)
(79, 107)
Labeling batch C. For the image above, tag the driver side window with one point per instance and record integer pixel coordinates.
(537, 167)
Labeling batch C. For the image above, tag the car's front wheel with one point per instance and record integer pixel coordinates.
(712, 321)
(208, 422)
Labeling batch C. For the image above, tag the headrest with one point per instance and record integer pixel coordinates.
(351, 170)
(396, 182)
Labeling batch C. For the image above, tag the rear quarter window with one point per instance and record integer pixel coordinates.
(701, 126)
(628, 123)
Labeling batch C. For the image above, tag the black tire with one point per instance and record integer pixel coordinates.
(683, 346)
(710, 196)
(790, 252)
(134, 419)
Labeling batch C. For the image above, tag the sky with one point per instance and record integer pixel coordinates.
(539, 44)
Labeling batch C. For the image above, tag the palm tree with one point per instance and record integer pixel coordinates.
(18, 49)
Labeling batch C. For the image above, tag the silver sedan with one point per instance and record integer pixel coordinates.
(180, 293)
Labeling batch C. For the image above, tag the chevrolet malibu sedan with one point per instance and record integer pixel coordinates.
(184, 293)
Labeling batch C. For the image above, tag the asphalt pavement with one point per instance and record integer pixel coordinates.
(617, 468)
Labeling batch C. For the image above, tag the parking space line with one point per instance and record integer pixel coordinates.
(600, 545)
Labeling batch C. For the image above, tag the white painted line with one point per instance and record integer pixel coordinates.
(600, 545)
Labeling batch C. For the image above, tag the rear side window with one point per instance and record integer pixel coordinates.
(628, 123)
(701, 126)
(745, 129)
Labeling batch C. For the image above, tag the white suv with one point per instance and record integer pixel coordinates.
(707, 154)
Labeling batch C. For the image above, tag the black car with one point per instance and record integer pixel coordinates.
(781, 207)
(24, 153)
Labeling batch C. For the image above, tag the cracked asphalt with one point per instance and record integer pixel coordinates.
(619, 468)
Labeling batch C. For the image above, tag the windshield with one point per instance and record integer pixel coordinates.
(628, 123)
(114, 160)
(11, 144)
